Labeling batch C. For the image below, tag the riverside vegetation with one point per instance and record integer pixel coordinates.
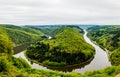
(18, 67)
(108, 37)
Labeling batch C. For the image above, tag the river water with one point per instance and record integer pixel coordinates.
(99, 61)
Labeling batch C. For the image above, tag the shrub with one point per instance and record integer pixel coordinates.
(5, 65)
(20, 63)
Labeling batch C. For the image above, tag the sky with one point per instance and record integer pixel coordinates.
(36, 12)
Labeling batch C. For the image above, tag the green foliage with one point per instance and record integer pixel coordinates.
(107, 72)
(48, 31)
(6, 45)
(20, 35)
(52, 73)
(115, 57)
(63, 50)
(4, 64)
(49, 63)
(20, 63)
(54, 31)
(108, 37)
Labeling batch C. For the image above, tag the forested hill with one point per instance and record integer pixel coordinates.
(67, 47)
(108, 37)
(19, 35)
(59, 30)
(52, 31)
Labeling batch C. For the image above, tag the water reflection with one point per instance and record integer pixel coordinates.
(72, 67)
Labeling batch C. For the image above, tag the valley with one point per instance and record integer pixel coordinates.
(69, 50)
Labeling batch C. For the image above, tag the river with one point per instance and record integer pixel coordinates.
(100, 60)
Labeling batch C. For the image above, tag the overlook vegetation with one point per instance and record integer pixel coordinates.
(108, 37)
(67, 47)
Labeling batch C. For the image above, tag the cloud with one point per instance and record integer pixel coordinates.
(21, 12)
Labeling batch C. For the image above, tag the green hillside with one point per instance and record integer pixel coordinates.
(20, 35)
(6, 45)
(67, 47)
(55, 30)
(108, 37)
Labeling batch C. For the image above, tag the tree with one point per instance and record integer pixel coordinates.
(6, 45)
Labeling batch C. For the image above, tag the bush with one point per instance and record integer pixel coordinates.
(5, 65)
(6, 45)
(20, 63)
(115, 58)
